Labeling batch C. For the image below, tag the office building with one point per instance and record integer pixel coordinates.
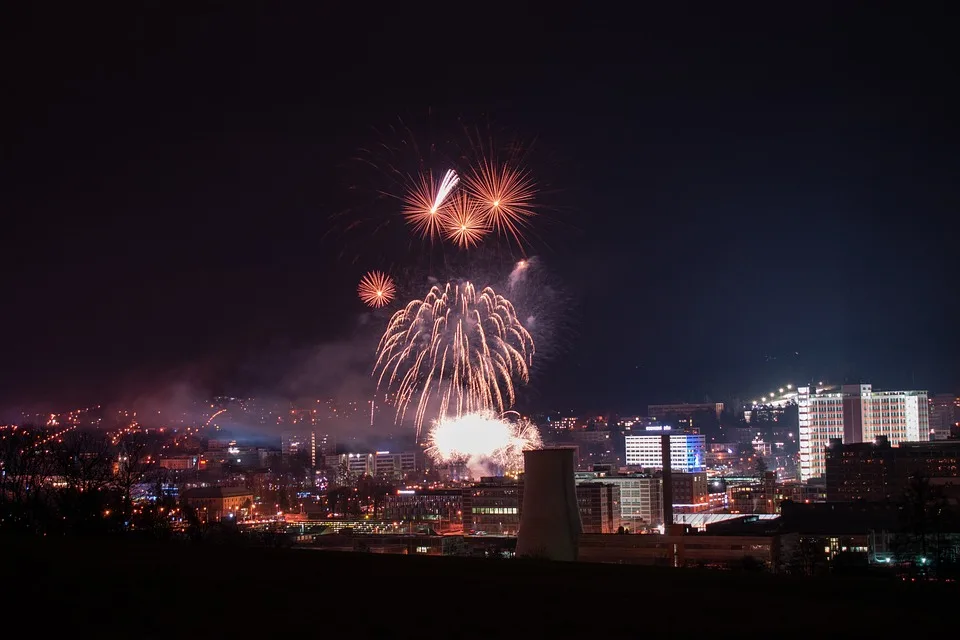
(381, 464)
(492, 506)
(599, 505)
(855, 414)
(442, 506)
(690, 492)
(641, 497)
(687, 451)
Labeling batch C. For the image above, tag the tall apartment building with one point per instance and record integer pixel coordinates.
(687, 451)
(855, 414)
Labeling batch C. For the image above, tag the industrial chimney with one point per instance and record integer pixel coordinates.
(550, 519)
(667, 483)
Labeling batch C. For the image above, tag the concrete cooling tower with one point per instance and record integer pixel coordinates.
(550, 519)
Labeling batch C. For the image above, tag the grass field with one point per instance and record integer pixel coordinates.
(136, 589)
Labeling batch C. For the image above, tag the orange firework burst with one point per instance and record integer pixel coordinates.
(376, 289)
(464, 222)
(505, 195)
(424, 204)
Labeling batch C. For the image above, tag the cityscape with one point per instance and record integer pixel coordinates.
(546, 322)
(819, 472)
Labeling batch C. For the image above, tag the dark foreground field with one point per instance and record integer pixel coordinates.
(112, 589)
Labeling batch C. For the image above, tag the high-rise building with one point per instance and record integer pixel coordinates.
(687, 451)
(855, 414)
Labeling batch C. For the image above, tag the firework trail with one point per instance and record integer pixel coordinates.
(210, 419)
(481, 437)
(464, 347)
(423, 204)
(376, 289)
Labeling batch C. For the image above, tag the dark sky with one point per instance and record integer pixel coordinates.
(747, 198)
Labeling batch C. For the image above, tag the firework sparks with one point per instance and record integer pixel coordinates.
(505, 195)
(464, 347)
(465, 223)
(482, 437)
(424, 204)
(376, 289)
(210, 419)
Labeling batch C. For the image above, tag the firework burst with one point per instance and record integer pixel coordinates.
(481, 437)
(465, 225)
(459, 345)
(376, 289)
(505, 196)
(424, 204)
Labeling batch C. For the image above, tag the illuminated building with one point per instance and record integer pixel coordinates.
(321, 446)
(687, 451)
(178, 463)
(432, 505)
(217, 503)
(757, 495)
(492, 506)
(690, 492)
(599, 505)
(855, 414)
(381, 464)
(293, 443)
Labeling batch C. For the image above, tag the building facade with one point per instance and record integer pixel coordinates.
(641, 497)
(687, 452)
(855, 414)
(599, 505)
(690, 492)
(492, 506)
(217, 503)
(443, 506)
(381, 464)
(876, 471)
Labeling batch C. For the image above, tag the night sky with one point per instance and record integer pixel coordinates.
(738, 200)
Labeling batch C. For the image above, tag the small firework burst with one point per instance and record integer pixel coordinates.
(376, 289)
